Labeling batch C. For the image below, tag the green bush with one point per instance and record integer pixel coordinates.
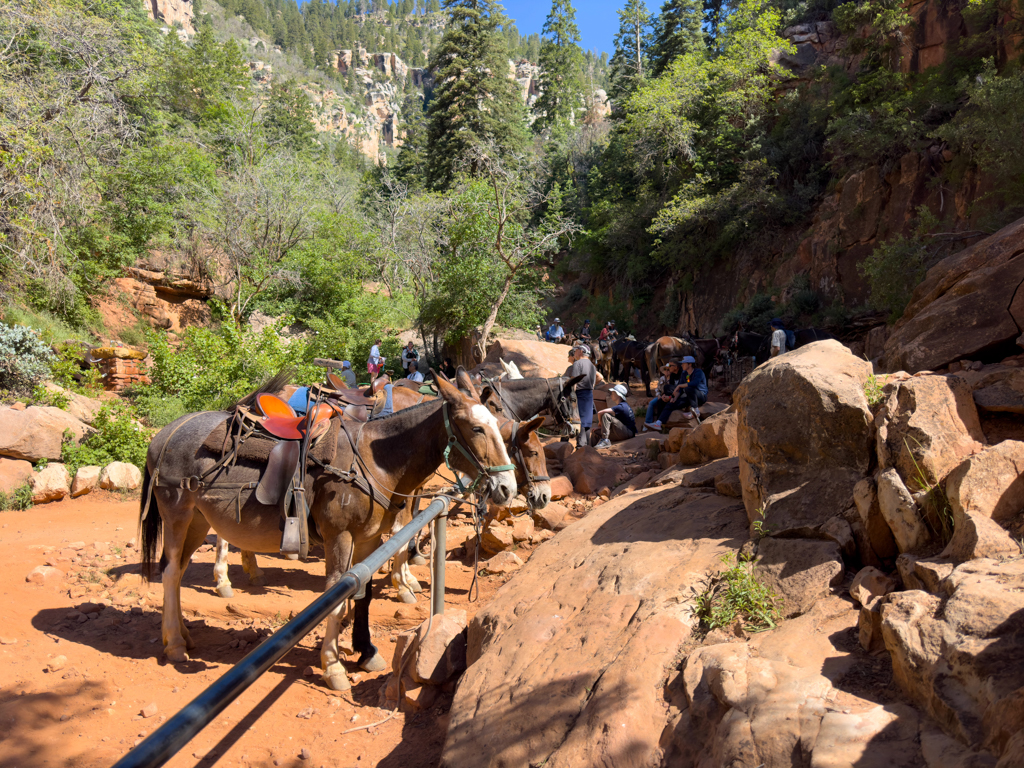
(155, 408)
(893, 270)
(737, 594)
(19, 498)
(43, 396)
(118, 437)
(24, 358)
(68, 373)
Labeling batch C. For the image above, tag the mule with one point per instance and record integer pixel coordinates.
(628, 354)
(668, 348)
(394, 455)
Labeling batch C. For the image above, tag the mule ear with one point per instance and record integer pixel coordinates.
(439, 375)
(465, 383)
(450, 392)
(570, 385)
(527, 427)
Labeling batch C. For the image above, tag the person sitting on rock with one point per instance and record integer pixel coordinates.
(689, 394)
(556, 333)
(540, 333)
(409, 356)
(617, 421)
(414, 372)
(663, 393)
(585, 331)
(347, 374)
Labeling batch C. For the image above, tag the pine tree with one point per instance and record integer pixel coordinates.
(630, 64)
(679, 31)
(561, 62)
(475, 102)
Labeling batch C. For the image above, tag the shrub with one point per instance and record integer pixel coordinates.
(43, 396)
(24, 358)
(67, 371)
(118, 437)
(154, 407)
(19, 498)
(893, 270)
(737, 594)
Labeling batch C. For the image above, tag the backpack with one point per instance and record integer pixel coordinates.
(790, 340)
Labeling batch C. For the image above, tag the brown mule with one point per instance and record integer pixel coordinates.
(395, 455)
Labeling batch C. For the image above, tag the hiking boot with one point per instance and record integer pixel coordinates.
(654, 426)
(606, 443)
(695, 412)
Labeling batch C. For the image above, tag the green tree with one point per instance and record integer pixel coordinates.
(561, 62)
(630, 64)
(475, 103)
(679, 31)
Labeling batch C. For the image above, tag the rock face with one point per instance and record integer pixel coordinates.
(36, 432)
(991, 484)
(967, 304)
(52, 483)
(926, 427)
(901, 514)
(957, 654)
(14, 473)
(714, 438)
(802, 571)
(530, 696)
(534, 358)
(171, 13)
(590, 471)
(805, 435)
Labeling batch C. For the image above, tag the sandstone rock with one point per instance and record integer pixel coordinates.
(728, 484)
(502, 563)
(36, 433)
(926, 427)
(675, 439)
(83, 408)
(714, 438)
(590, 471)
(696, 477)
(540, 536)
(869, 626)
(533, 358)
(925, 574)
(990, 484)
(901, 514)
(805, 435)
(635, 483)
(550, 517)
(801, 571)
(1005, 395)
(869, 584)
(561, 486)
(52, 483)
(522, 528)
(559, 451)
(977, 536)
(875, 526)
(667, 460)
(120, 476)
(967, 303)
(496, 538)
(957, 654)
(567, 661)
(86, 478)
(14, 473)
(45, 576)
(436, 657)
(838, 530)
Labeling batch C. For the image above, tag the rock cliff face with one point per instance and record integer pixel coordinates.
(172, 13)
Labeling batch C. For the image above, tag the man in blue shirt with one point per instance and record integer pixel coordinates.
(690, 394)
(555, 332)
(617, 421)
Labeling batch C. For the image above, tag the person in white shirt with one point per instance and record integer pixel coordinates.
(409, 355)
(414, 373)
(375, 363)
(347, 374)
(778, 342)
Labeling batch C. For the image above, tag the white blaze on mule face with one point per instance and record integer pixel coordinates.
(506, 478)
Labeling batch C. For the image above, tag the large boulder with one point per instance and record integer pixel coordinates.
(83, 408)
(432, 657)
(1002, 393)
(991, 484)
(926, 427)
(86, 478)
(591, 471)
(805, 435)
(876, 529)
(959, 654)
(567, 662)
(714, 438)
(120, 476)
(967, 304)
(51, 483)
(14, 473)
(535, 359)
(37, 432)
(901, 513)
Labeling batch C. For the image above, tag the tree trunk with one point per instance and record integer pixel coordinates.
(485, 329)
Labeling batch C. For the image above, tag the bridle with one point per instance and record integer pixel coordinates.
(562, 408)
(454, 442)
(520, 459)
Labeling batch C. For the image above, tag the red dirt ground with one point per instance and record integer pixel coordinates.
(88, 713)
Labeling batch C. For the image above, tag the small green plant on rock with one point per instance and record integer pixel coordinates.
(49, 397)
(874, 390)
(18, 499)
(118, 437)
(736, 594)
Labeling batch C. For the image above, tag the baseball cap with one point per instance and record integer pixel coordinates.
(621, 391)
(558, 319)
(346, 364)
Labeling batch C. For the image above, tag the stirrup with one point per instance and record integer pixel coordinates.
(291, 538)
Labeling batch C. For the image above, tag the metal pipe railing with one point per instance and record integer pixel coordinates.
(166, 740)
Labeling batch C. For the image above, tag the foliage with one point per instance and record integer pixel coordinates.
(49, 397)
(153, 407)
(679, 30)
(630, 63)
(18, 499)
(736, 594)
(896, 266)
(24, 358)
(561, 62)
(66, 370)
(118, 437)
(754, 316)
(874, 390)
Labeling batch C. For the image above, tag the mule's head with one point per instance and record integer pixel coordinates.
(531, 463)
(476, 429)
(567, 410)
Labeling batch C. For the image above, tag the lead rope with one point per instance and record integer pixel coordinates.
(478, 516)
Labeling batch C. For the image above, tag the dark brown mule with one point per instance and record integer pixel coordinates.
(668, 348)
(395, 454)
(628, 354)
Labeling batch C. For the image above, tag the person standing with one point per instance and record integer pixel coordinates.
(347, 374)
(409, 355)
(582, 366)
(778, 342)
(375, 363)
(617, 421)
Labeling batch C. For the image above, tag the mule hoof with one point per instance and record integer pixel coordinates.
(416, 587)
(418, 560)
(258, 581)
(225, 590)
(293, 556)
(176, 655)
(406, 596)
(375, 664)
(337, 680)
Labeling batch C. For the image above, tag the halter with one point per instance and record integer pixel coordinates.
(531, 479)
(453, 441)
(562, 408)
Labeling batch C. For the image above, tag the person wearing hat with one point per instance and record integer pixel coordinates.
(582, 366)
(670, 373)
(540, 333)
(608, 332)
(617, 421)
(585, 331)
(555, 333)
(347, 374)
(778, 342)
(690, 393)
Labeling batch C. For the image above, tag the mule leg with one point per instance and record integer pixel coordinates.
(220, 569)
(177, 519)
(369, 659)
(194, 539)
(252, 570)
(401, 577)
(337, 557)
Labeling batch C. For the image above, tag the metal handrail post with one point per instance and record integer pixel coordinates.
(440, 551)
(166, 740)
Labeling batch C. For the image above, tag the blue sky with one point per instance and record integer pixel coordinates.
(596, 19)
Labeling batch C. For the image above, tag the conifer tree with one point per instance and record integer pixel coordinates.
(475, 102)
(630, 64)
(561, 62)
(678, 31)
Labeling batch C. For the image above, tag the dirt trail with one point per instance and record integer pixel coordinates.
(88, 712)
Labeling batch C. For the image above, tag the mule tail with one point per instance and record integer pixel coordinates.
(149, 525)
